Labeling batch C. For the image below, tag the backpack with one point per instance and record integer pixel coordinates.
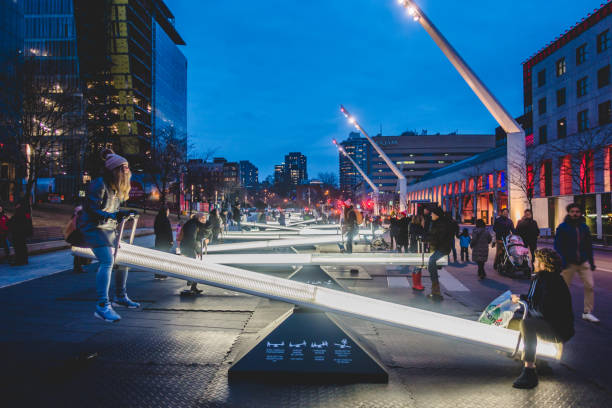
(358, 217)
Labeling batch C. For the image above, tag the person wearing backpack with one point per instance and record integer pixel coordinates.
(464, 243)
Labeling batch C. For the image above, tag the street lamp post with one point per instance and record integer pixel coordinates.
(398, 173)
(515, 153)
(375, 190)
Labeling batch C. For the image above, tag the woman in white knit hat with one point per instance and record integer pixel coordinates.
(98, 222)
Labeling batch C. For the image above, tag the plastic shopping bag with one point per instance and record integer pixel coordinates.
(500, 311)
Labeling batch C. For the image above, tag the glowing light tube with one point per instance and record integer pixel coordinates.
(271, 226)
(320, 259)
(325, 226)
(278, 243)
(291, 224)
(320, 298)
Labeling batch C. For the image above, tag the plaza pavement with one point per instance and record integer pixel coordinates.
(176, 352)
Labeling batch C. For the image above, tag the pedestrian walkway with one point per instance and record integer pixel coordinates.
(47, 264)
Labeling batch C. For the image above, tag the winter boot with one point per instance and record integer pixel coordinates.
(527, 379)
(416, 281)
(435, 294)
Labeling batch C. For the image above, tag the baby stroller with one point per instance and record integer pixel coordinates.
(515, 262)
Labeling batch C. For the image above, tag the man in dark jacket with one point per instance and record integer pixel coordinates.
(20, 229)
(402, 233)
(439, 237)
(529, 231)
(195, 233)
(550, 315)
(503, 226)
(574, 245)
(454, 225)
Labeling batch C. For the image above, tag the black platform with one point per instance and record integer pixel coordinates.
(308, 346)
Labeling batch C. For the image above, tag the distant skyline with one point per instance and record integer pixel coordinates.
(267, 78)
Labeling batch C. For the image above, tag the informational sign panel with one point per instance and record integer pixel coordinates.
(307, 346)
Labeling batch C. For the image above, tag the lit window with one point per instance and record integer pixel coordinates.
(561, 67)
(561, 128)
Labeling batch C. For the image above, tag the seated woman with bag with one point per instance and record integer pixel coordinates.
(550, 315)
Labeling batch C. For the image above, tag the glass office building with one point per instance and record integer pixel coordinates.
(11, 52)
(169, 84)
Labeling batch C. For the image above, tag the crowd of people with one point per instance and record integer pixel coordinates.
(431, 230)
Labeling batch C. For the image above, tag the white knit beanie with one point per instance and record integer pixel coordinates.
(112, 160)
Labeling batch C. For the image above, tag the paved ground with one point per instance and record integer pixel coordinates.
(176, 352)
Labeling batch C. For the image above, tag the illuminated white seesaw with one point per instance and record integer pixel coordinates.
(276, 243)
(324, 299)
(321, 259)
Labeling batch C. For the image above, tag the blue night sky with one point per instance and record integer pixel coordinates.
(267, 77)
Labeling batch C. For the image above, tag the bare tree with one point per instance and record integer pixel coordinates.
(527, 178)
(328, 179)
(581, 155)
(165, 160)
(43, 122)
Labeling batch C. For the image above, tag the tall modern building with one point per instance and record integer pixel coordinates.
(295, 168)
(50, 47)
(279, 173)
(11, 53)
(358, 148)
(135, 42)
(249, 174)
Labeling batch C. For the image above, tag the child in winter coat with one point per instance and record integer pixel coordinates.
(464, 243)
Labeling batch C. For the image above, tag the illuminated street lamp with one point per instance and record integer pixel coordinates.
(375, 191)
(398, 173)
(515, 153)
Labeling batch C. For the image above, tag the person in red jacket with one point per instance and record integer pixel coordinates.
(4, 234)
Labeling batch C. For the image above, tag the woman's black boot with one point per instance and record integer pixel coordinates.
(527, 379)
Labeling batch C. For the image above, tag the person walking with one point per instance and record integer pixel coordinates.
(351, 227)
(193, 234)
(503, 226)
(20, 229)
(416, 232)
(98, 221)
(164, 240)
(550, 316)
(574, 245)
(529, 231)
(464, 244)
(393, 230)
(237, 215)
(4, 230)
(402, 233)
(215, 226)
(454, 225)
(481, 238)
(439, 238)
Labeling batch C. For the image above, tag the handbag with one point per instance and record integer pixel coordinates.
(72, 234)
